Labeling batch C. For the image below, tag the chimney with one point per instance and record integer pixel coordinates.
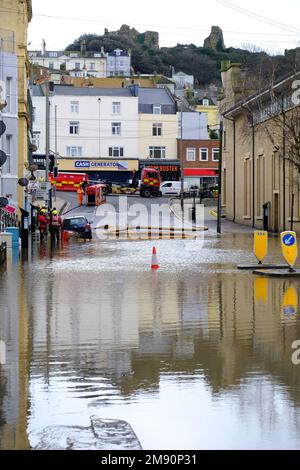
(43, 47)
(83, 48)
(102, 50)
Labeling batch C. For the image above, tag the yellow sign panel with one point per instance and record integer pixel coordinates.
(290, 303)
(289, 247)
(261, 290)
(260, 245)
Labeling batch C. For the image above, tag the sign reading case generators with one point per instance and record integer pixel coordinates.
(90, 164)
(289, 247)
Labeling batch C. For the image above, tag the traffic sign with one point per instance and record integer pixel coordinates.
(289, 247)
(260, 245)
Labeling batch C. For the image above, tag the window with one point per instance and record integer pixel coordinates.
(52, 54)
(74, 106)
(51, 65)
(122, 64)
(116, 107)
(77, 65)
(191, 154)
(157, 152)
(157, 109)
(8, 108)
(36, 139)
(116, 128)
(33, 114)
(204, 155)
(215, 154)
(205, 102)
(116, 152)
(74, 128)
(8, 150)
(92, 66)
(157, 130)
(74, 151)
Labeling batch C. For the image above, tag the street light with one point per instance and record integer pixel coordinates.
(99, 103)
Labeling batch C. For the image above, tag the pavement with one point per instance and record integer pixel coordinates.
(210, 221)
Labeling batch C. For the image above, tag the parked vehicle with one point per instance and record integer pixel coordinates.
(68, 181)
(78, 224)
(150, 182)
(172, 188)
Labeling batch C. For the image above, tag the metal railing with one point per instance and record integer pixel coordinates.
(8, 220)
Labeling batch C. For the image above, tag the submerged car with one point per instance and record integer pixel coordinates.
(80, 225)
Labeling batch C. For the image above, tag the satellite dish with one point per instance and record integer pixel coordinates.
(23, 182)
(3, 202)
(3, 157)
(2, 128)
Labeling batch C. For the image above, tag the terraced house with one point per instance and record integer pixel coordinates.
(261, 150)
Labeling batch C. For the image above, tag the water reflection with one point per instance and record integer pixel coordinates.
(189, 359)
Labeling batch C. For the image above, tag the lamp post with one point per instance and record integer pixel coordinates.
(99, 103)
(181, 161)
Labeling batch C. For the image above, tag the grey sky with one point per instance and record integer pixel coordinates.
(176, 22)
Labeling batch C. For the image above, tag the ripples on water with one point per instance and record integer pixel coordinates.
(195, 356)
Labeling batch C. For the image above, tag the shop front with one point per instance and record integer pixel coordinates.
(205, 179)
(106, 170)
(169, 170)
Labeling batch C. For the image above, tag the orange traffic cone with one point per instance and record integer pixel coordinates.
(154, 264)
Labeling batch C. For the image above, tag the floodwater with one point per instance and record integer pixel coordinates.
(194, 356)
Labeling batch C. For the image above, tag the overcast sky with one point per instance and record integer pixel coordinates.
(177, 22)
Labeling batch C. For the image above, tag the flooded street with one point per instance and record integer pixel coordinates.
(194, 356)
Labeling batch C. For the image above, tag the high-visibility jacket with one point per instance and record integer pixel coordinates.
(56, 221)
(42, 221)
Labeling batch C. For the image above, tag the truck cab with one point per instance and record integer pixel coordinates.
(150, 183)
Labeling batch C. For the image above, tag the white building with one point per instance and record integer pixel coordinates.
(78, 65)
(92, 124)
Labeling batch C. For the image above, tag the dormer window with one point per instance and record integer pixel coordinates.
(205, 102)
(157, 109)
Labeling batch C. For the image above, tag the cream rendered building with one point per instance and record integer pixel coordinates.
(257, 170)
(15, 17)
(158, 124)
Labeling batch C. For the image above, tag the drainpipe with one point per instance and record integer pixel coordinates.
(284, 168)
(253, 172)
(234, 166)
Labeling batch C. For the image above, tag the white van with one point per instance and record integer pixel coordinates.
(171, 188)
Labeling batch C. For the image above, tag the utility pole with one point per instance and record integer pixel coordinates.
(55, 145)
(219, 223)
(181, 160)
(99, 102)
(47, 140)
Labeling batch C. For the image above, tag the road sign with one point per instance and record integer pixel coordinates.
(289, 247)
(260, 245)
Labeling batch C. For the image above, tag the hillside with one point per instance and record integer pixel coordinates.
(202, 62)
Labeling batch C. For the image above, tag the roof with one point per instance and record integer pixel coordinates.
(252, 99)
(155, 95)
(68, 90)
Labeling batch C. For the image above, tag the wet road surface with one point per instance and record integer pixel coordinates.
(195, 356)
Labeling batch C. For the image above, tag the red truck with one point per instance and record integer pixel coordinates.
(150, 183)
